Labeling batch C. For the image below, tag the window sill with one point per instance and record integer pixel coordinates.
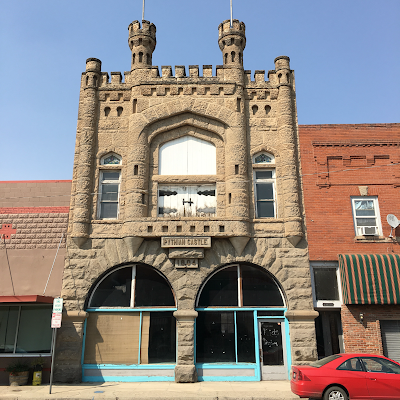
(107, 221)
(375, 239)
(20, 355)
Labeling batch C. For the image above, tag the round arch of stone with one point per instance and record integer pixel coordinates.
(132, 285)
(240, 285)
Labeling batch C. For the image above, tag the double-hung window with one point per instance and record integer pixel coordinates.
(326, 283)
(109, 194)
(264, 190)
(366, 216)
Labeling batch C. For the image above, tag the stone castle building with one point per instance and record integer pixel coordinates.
(186, 251)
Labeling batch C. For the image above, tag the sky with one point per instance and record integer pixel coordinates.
(345, 54)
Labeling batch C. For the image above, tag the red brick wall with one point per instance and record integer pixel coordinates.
(336, 160)
(365, 337)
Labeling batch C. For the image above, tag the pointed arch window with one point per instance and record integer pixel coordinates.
(111, 159)
(264, 158)
(187, 155)
(109, 187)
(264, 185)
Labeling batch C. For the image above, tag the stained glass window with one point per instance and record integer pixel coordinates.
(112, 160)
(263, 158)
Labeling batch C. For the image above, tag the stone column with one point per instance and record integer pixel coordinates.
(87, 129)
(185, 370)
(288, 156)
(302, 335)
(68, 351)
(137, 174)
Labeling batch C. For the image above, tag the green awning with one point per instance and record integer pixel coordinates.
(370, 278)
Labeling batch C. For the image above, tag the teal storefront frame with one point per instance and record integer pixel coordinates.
(238, 366)
(98, 372)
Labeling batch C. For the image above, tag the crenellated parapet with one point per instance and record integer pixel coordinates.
(168, 74)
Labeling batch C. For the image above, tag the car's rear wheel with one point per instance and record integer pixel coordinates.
(335, 393)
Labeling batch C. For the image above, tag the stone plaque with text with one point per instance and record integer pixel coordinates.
(183, 241)
(186, 263)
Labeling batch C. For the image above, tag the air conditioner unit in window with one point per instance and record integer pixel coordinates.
(368, 230)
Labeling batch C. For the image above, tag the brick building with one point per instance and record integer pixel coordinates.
(33, 220)
(186, 251)
(351, 182)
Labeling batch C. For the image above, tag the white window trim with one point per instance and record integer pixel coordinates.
(322, 303)
(273, 181)
(101, 182)
(377, 213)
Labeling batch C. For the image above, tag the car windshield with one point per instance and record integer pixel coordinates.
(323, 361)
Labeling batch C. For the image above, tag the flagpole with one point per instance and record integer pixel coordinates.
(231, 15)
(143, 11)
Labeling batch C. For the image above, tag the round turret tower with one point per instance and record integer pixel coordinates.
(232, 41)
(142, 42)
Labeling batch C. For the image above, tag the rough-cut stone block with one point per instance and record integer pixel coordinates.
(185, 374)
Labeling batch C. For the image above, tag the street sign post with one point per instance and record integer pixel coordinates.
(56, 318)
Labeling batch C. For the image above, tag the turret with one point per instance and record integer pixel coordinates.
(232, 41)
(142, 42)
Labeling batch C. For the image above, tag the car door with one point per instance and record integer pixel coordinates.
(383, 378)
(351, 375)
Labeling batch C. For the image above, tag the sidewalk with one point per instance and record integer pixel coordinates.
(265, 390)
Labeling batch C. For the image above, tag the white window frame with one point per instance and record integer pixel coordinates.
(326, 304)
(101, 183)
(259, 181)
(377, 216)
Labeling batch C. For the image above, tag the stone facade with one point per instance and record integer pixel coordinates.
(133, 118)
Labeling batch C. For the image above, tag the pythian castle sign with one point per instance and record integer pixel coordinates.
(182, 241)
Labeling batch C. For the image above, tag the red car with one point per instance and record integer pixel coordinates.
(348, 376)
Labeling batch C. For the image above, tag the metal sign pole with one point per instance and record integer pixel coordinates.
(52, 357)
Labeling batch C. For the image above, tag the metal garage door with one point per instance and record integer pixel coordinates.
(391, 339)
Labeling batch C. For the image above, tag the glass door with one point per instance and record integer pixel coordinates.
(272, 349)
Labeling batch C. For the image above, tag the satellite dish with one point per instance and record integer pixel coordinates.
(392, 220)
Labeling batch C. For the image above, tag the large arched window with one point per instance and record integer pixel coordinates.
(130, 320)
(133, 286)
(187, 155)
(228, 305)
(240, 286)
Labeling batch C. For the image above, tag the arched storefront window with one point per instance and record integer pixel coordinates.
(239, 308)
(131, 319)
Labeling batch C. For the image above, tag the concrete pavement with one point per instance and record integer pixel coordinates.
(265, 390)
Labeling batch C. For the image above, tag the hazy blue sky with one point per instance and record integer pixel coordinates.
(345, 54)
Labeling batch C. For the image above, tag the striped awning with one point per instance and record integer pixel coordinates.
(370, 278)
